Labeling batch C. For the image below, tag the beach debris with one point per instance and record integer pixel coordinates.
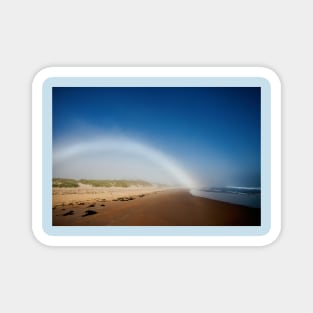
(68, 213)
(89, 212)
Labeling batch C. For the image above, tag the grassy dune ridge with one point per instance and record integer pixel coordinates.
(68, 182)
(64, 182)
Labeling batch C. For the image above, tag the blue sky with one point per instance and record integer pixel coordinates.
(213, 132)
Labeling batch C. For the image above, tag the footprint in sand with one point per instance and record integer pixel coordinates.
(68, 213)
(89, 212)
(124, 199)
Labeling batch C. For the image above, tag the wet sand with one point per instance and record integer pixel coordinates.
(160, 208)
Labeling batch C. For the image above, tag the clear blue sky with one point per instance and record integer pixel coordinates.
(210, 130)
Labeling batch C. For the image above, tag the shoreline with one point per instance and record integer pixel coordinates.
(171, 207)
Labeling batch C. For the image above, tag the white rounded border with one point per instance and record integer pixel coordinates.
(275, 214)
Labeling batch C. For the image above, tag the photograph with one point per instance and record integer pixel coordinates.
(156, 156)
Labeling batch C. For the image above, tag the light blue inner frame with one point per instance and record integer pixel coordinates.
(157, 230)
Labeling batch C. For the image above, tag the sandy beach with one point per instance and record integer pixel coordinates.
(148, 206)
(88, 193)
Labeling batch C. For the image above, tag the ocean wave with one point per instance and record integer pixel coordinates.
(247, 197)
(233, 190)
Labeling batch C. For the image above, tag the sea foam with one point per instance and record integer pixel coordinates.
(247, 196)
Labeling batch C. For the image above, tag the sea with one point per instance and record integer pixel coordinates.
(247, 196)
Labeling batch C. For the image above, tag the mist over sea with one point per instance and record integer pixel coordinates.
(247, 196)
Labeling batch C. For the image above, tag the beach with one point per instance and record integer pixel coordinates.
(146, 206)
(88, 193)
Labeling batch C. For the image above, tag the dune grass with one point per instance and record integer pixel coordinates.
(114, 183)
(65, 182)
